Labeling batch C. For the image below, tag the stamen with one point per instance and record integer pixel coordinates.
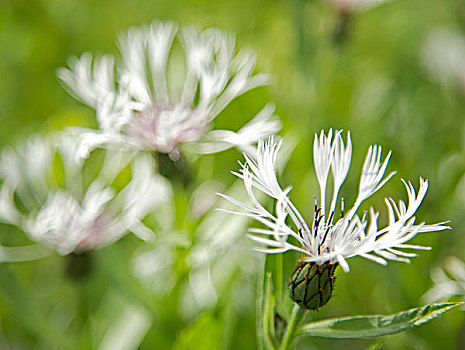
(316, 203)
(328, 227)
(342, 208)
(330, 221)
(317, 223)
(364, 215)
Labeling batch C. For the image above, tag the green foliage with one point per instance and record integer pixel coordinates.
(205, 333)
(376, 325)
(372, 83)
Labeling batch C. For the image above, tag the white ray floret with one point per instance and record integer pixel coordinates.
(139, 105)
(63, 212)
(329, 238)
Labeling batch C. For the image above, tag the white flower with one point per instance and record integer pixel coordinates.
(448, 281)
(57, 209)
(144, 109)
(329, 238)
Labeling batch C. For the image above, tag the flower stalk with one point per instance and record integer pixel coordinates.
(176, 170)
(79, 265)
(297, 315)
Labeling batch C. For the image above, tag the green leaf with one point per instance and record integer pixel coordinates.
(375, 325)
(23, 253)
(271, 325)
(267, 323)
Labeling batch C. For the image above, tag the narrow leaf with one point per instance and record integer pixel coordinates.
(375, 325)
(268, 313)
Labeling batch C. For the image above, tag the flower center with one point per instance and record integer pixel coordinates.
(162, 128)
(322, 227)
(95, 234)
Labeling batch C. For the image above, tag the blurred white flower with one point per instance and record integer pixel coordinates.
(45, 198)
(443, 54)
(350, 6)
(156, 268)
(448, 281)
(329, 238)
(142, 109)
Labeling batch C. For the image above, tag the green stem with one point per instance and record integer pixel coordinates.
(83, 311)
(279, 276)
(293, 327)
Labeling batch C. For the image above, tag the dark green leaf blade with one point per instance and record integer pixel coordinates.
(374, 326)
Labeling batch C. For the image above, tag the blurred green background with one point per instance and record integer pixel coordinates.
(371, 82)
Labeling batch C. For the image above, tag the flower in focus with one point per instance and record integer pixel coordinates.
(144, 109)
(448, 281)
(334, 235)
(44, 193)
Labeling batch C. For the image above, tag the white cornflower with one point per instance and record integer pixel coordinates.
(331, 238)
(48, 196)
(143, 109)
(448, 281)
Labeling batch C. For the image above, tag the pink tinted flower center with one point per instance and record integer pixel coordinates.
(163, 128)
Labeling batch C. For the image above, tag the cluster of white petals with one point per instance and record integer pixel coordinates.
(45, 193)
(329, 238)
(139, 105)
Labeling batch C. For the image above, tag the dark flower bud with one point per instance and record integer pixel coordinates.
(311, 285)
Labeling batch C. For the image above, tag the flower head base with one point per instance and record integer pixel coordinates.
(331, 238)
(64, 214)
(143, 109)
(312, 285)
